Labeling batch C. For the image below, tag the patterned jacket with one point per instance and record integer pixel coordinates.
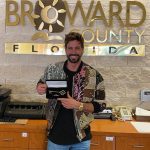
(88, 86)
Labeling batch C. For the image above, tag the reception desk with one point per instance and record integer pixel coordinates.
(117, 135)
(107, 135)
(29, 136)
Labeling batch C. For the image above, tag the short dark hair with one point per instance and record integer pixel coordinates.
(74, 36)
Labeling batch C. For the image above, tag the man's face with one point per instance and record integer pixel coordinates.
(74, 51)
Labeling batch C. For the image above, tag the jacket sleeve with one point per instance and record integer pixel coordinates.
(100, 88)
(43, 77)
(98, 107)
(99, 93)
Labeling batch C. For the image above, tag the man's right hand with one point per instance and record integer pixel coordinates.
(41, 88)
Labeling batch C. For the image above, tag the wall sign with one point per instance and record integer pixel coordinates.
(89, 50)
(49, 18)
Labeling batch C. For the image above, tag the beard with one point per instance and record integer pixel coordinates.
(75, 59)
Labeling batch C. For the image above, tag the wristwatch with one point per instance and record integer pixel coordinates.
(81, 107)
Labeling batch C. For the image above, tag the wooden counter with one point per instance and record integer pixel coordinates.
(30, 136)
(117, 135)
(106, 135)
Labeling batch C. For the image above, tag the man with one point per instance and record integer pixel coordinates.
(69, 117)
